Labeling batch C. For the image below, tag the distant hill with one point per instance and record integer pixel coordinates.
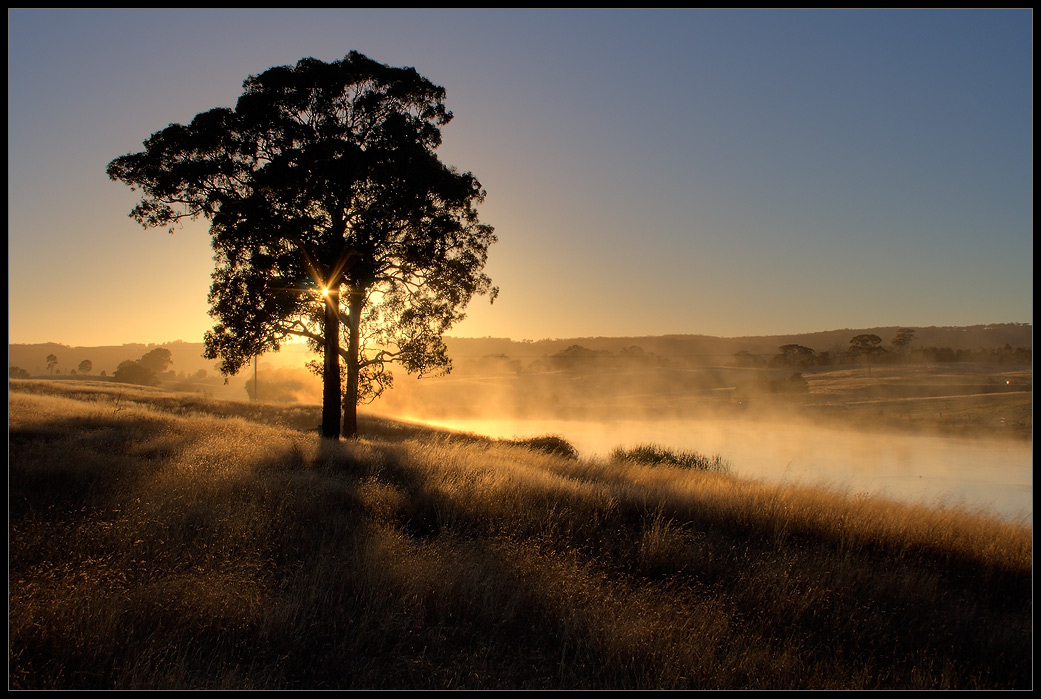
(187, 356)
(710, 349)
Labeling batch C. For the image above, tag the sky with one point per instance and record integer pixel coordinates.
(649, 172)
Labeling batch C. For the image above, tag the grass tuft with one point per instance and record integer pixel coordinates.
(656, 455)
(549, 444)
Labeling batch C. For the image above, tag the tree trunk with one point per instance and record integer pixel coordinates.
(350, 399)
(331, 373)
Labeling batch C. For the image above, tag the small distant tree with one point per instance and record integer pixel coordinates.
(838, 352)
(577, 357)
(867, 346)
(86, 366)
(15, 372)
(144, 371)
(157, 360)
(52, 361)
(135, 372)
(795, 356)
(902, 340)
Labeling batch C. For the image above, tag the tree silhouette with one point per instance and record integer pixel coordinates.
(330, 214)
(157, 360)
(795, 356)
(868, 346)
(133, 371)
(901, 340)
(52, 361)
(86, 366)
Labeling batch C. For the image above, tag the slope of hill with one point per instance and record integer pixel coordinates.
(168, 542)
(710, 348)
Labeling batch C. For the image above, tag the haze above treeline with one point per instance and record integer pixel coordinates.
(187, 356)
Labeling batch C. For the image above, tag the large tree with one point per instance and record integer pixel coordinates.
(331, 218)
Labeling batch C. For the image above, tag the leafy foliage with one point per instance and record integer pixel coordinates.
(550, 444)
(133, 371)
(795, 356)
(330, 213)
(157, 360)
(903, 338)
(144, 371)
(868, 346)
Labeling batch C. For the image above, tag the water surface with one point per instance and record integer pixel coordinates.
(990, 475)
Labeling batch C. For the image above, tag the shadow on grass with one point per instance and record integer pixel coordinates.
(362, 565)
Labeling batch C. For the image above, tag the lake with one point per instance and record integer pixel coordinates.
(995, 476)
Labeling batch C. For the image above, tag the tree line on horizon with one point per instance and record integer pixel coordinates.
(146, 371)
(151, 368)
(869, 348)
(864, 348)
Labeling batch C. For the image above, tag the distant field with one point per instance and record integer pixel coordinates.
(992, 401)
(166, 541)
(967, 399)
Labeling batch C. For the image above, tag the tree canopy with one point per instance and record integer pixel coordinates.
(868, 346)
(331, 218)
(156, 360)
(795, 355)
(144, 371)
(902, 340)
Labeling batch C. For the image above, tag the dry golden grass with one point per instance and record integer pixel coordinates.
(162, 541)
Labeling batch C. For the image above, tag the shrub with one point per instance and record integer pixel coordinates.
(550, 444)
(655, 455)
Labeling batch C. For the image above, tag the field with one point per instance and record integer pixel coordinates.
(964, 399)
(164, 540)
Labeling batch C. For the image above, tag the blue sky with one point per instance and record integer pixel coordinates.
(648, 171)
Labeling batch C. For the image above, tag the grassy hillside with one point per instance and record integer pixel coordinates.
(160, 540)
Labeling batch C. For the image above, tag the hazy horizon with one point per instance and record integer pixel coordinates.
(453, 336)
(649, 172)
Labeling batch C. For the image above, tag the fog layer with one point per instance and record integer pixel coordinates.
(936, 432)
(957, 434)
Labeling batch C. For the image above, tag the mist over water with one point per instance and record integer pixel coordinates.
(833, 432)
(995, 476)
